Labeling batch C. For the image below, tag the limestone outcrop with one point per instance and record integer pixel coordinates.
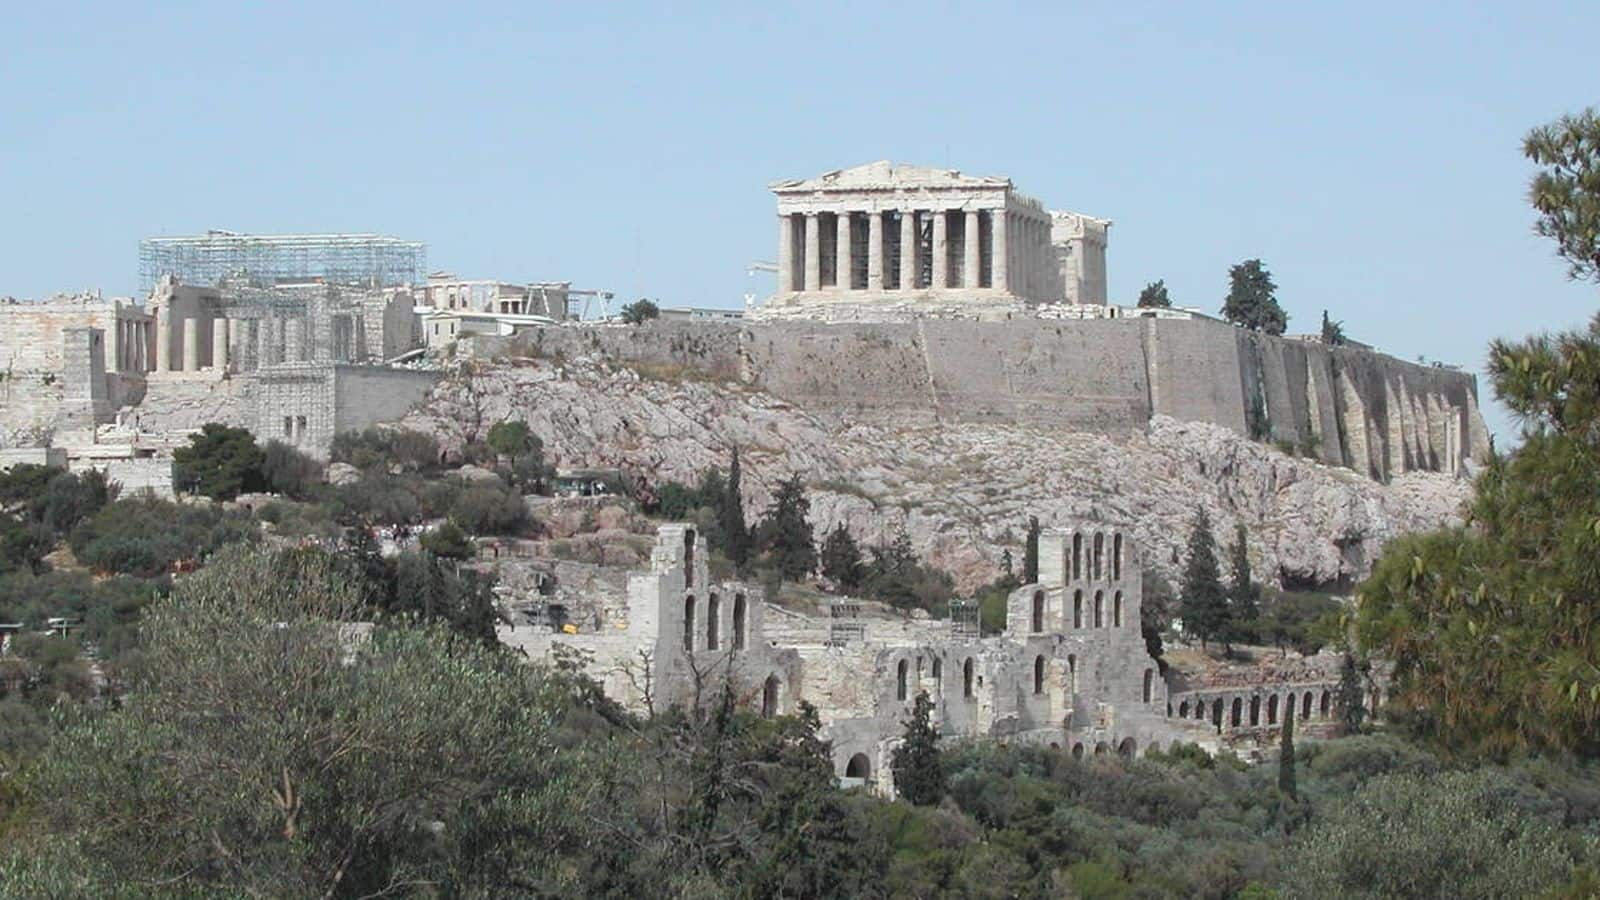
(963, 491)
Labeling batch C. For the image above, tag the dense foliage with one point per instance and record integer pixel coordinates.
(221, 462)
(1204, 601)
(1154, 295)
(1566, 189)
(1252, 299)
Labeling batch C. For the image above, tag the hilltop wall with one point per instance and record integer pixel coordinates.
(1374, 413)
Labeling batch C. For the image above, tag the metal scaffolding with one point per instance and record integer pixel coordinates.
(264, 260)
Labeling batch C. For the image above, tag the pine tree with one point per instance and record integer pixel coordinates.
(1286, 782)
(1155, 295)
(1352, 710)
(841, 559)
(735, 534)
(1030, 553)
(1252, 300)
(1244, 599)
(917, 765)
(1204, 607)
(788, 533)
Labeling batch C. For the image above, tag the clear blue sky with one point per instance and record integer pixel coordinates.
(1369, 153)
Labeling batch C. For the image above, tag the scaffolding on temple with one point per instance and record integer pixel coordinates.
(266, 260)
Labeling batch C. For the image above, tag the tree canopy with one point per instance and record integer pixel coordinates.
(640, 311)
(1204, 604)
(1566, 189)
(1252, 299)
(1155, 295)
(220, 462)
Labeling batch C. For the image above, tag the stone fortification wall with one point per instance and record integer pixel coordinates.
(1345, 406)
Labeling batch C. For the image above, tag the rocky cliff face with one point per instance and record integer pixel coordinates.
(964, 492)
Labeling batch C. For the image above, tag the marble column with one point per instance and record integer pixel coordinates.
(875, 250)
(219, 344)
(971, 258)
(263, 343)
(844, 259)
(163, 340)
(941, 249)
(191, 345)
(813, 253)
(908, 249)
(999, 263)
(785, 254)
(293, 332)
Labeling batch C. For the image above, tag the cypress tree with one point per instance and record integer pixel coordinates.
(1351, 709)
(1030, 553)
(917, 765)
(788, 532)
(1204, 606)
(841, 559)
(1286, 782)
(730, 515)
(1244, 613)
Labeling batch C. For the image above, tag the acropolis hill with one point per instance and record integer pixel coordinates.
(905, 295)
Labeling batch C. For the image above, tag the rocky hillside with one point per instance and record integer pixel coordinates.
(964, 492)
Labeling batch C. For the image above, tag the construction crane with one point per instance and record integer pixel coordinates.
(591, 297)
(750, 271)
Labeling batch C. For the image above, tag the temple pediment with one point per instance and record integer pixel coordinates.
(885, 174)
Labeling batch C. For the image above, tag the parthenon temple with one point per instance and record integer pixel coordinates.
(894, 233)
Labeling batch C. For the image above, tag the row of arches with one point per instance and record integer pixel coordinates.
(902, 689)
(1127, 748)
(1097, 611)
(1237, 713)
(713, 624)
(1095, 560)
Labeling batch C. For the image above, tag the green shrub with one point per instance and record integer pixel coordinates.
(144, 536)
(1457, 834)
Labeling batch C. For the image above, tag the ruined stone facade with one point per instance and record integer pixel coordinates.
(1071, 669)
(913, 236)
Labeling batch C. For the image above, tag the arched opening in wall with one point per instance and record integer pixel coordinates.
(1072, 674)
(1038, 675)
(938, 677)
(1200, 710)
(1237, 712)
(1099, 609)
(1127, 749)
(1077, 557)
(1325, 704)
(688, 623)
(1183, 710)
(1216, 713)
(1077, 609)
(1255, 711)
(1305, 706)
(688, 557)
(966, 679)
(1101, 748)
(1272, 710)
(1116, 610)
(1149, 685)
(900, 680)
(769, 696)
(1077, 750)
(1099, 556)
(1038, 611)
(738, 621)
(858, 767)
(713, 619)
(1116, 557)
